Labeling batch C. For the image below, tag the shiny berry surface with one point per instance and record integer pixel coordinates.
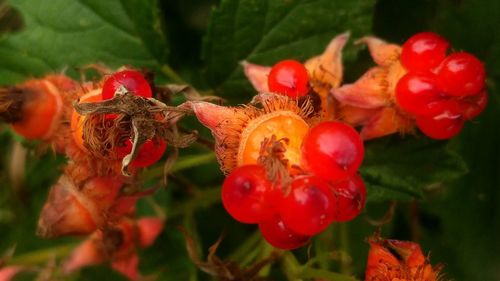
(414, 92)
(149, 153)
(440, 127)
(461, 74)
(248, 196)
(423, 51)
(280, 236)
(308, 208)
(290, 78)
(350, 198)
(332, 150)
(132, 80)
(473, 106)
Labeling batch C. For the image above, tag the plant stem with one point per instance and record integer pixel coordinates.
(242, 251)
(181, 164)
(265, 252)
(290, 266)
(344, 247)
(41, 256)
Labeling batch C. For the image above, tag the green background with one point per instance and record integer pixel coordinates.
(446, 193)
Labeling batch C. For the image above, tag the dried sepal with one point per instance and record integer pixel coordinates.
(9, 272)
(11, 101)
(232, 127)
(383, 53)
(116, 243)
(257, 75)
(76, 208)
(87, 253)
(369, 91)
(386, 121)
(139, 119)
(326, 73)
(221, 269)
(370, 101)
(149, 228)
(326, 70)
(399, 260)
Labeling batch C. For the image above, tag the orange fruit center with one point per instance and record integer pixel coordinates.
(281, 124)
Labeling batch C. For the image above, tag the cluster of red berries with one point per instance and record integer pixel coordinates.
(329, 190)
(441, 90)
(131, 81)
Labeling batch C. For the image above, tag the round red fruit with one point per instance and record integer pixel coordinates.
(280, 236)
(248, 195)
(423, 51)
(332, 150)
(448, 107)
(414, 92)
(440, 127)
(473, 106)
(308, 208)
(290, 78)
(133, 81)
(461, 74)
(149, 153)
(350, 197)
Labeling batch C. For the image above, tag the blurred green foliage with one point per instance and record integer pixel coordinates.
(447, 193)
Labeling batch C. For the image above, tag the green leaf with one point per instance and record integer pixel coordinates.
(61, 33)
(265, 32)
(401, 168)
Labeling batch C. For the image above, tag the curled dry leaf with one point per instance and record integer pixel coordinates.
(140, 119)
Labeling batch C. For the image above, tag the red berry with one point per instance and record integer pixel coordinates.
(350, 197)
(290, 78)
(308, 208)
(132, 80)
(474, 105)
(280, 236)
(461, 74)
(248, 196)
(332, 150)
(449, 108)
(414, 92)
(423, 51)
(440, 127)
(149, 153)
